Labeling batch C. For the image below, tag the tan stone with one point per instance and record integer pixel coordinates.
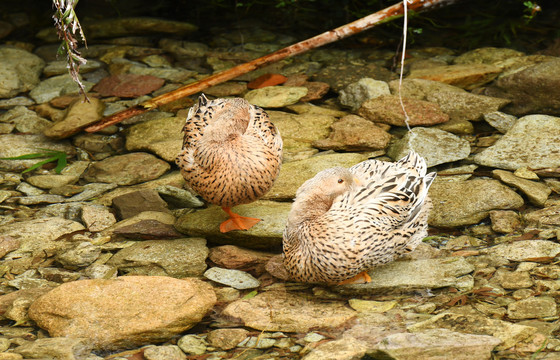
(467, 76)
(124, 312)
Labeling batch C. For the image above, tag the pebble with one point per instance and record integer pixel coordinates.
(235, 278)
(276, 96)
(531, 308)
(192, 345)
(354, 95)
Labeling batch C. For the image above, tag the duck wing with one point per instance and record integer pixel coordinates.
(260, 128)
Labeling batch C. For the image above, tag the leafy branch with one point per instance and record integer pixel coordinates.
(52, 155)
(66, 23)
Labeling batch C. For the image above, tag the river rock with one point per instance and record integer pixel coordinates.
(124, 312)
(97, 218)
(459, 104)
(354, 133)
(56, 86)
(276, 96)
(56, 348)
(487, 55)
(415, 274)
(37, 237)
(500, 121)
(164, 352)
(466, 77)
(505, 221)
(237, 279)
(387, 109)
(510, 334)
(12, 145)
(436, 344)
(533, 89)
(125, 26)
(133, 203)
(128, 169)
(295, 173)
(283, 311)
(179, 198)
(536, 192)
(459, 203)
(177, 258)
(19, 71)
(226, 339)
(298, 131)
(525, 249)
(267, 234)
(25, 120)
(364, 89)
(531, 308)
(342, 74)
(163, 137)
(544, 218)
(434, 145)
(79, 115)
(234, 257)
(531, 142)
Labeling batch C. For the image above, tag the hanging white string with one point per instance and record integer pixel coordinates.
(405, 30)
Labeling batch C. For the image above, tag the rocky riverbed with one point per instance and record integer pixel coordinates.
(113, 259)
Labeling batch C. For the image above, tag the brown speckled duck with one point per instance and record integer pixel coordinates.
(344, 222)
(231, 155)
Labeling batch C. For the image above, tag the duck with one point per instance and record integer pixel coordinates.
(345, 221)
(231, 155)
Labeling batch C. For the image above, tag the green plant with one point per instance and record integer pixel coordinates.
(66, 23)
(52, 155)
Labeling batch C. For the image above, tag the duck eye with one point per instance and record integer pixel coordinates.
(340, 181)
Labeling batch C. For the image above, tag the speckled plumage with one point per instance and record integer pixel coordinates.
(231, 151)
(346, 221)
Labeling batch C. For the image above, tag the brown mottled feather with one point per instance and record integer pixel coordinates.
(231, 151)
(346, 221)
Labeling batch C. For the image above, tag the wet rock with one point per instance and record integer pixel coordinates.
(128, 169)
(176, 75)
(533, 307)
(459, 203)
(60, 67)
(387, 109)
(133, 203)
(177, 258)
(436, 344)
(12, 145)
(354, 95)
(97, 218)
(37, 238)
(227, 89)
(547, 217)
(79, 255)
(536, 192)
(370, 306)
(532, 89)
(24, 120)
(300, 130)
(79, 115)
(128, 85)
(165, 352)
(315, 90)
(148, 230)
(295, 173)
(125, 312)
(434, 145)
(510, 334)
(487, 55)
(512, 279)
(276, 96)
(459, 104)
(354, 133)
(179, 198)
(525, 249)
(342, 349)
(8, 244)
(340, 75)
(192, 345)
(163, 137)
(20, 71)
(15, 101)
(92, 190)
(56, 348)
(41, 199)
(237, 279)
(531, 142)
(136, 26)
(50, 181)
(233, 257)
(415, 274)
(500, 121)
(505, 221)
(226, 339)
(267, 234)
(56, 86)
(466, 77)
(282, 311)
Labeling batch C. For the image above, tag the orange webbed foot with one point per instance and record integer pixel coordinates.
(361, 278)
(237, 222)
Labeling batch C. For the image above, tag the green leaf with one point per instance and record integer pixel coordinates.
(52, 155)
(250, 295)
